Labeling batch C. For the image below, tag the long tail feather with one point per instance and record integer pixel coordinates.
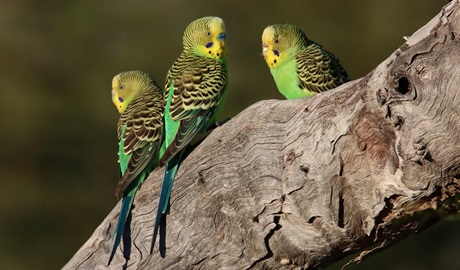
(166, 187)
(122, 217)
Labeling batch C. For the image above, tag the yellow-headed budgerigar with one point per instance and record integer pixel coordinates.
(299, 66)
(195, 93)
(140, 136)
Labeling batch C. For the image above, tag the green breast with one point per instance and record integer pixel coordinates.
(286, 79)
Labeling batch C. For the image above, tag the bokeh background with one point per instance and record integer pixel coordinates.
(58, 157)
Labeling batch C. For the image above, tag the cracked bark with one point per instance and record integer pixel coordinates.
(301, 184)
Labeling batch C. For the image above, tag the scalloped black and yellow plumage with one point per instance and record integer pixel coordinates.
(197, 85)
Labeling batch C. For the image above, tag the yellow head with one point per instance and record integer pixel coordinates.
(280, 41)
(206, 37)
(127, 85)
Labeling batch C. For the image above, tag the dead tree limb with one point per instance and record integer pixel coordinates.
(300, 184)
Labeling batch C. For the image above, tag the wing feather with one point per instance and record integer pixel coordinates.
(141, 139)
(198, 84)
(319, 70)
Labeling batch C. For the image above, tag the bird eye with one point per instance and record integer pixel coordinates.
(120, 87)
(208, 33)
(276, 41)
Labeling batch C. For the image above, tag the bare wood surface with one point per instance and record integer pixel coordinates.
(301, 184)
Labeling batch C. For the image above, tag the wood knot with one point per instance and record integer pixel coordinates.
(381, 97)
(304, 168)
(420, 153)
(201, 177)
(398, 122)
(403, 86)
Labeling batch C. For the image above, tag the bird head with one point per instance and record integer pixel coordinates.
(206, 36)
(127, 85)
(278, 40)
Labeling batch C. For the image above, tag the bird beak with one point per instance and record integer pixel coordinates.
(264, 49)
(220, 41)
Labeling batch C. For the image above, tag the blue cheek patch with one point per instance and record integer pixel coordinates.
(209, 45)
(221, 36)
(121, 99)
(276, 52)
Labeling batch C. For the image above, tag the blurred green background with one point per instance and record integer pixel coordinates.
(58, 155)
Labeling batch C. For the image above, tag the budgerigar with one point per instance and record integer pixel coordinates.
(140, 136)
(195, 93)
(300, 67)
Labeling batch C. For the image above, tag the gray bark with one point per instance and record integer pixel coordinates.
(301, 184)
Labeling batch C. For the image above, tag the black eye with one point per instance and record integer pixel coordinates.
(208, 33)
(276, 41)
(120, 87)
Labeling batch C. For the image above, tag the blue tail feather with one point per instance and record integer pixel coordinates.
(166, 187)
(123, 216)
(126, 205)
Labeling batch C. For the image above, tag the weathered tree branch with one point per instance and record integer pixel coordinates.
(301, 184)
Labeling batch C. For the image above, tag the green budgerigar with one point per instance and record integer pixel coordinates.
(299, 66)
(195, 92)
(140, 136)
